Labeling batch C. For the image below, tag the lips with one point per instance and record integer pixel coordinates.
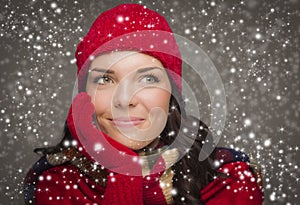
(127, 122)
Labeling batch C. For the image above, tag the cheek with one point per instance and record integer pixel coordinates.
(101, 101)
(156, 98)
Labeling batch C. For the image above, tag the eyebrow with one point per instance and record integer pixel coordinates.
(101, 70)
(142, 70)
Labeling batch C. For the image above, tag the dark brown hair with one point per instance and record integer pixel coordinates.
(191, 175)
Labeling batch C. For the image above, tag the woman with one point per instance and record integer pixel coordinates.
(118, 145)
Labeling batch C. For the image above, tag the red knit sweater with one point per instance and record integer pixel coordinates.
(66, 185)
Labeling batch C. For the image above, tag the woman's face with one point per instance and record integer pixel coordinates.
(131, 94)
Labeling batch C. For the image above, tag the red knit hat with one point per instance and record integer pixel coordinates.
(130, 27)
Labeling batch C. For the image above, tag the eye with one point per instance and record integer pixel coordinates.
(103, 80)
(149, 78)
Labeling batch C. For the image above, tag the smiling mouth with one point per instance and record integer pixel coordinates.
(127, 122)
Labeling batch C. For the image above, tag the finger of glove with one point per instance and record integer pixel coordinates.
(84, 120)
(86, 113)
(75, 110)
(79, 101)
(78, 105)
(83, 117)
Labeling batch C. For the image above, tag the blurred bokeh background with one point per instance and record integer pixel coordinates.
(253, 44)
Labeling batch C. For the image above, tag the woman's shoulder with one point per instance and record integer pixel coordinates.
(46, 183)
(238, 180)
(41, 176)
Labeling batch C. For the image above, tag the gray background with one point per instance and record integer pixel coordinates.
(253, 44)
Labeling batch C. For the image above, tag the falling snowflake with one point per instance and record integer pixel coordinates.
(254, 45)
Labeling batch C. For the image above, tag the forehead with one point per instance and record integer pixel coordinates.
(132, 59)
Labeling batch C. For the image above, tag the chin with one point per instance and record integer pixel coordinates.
(136, 147)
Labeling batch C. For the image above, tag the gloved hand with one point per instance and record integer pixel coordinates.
(97, 145)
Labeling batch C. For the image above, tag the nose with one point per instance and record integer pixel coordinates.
(124, 95)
